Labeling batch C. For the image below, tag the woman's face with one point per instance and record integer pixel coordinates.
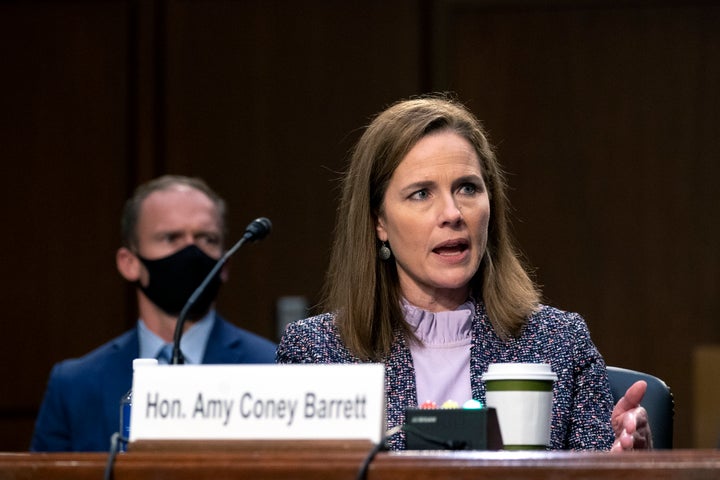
(435, 217)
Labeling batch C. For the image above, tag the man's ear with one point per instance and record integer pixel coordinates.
(128, 264)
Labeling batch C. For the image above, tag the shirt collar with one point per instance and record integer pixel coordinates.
(440, 327)
(192, 344)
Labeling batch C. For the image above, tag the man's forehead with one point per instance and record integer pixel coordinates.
(177, 191)
(178, 207)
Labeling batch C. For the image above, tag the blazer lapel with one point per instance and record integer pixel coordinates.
(224, 344)
(400, 387)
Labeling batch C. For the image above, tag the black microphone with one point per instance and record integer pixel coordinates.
(256, 230)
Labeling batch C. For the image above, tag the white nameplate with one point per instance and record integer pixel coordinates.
(268, 402)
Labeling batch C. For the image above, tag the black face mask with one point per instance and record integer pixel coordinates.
(175, 277)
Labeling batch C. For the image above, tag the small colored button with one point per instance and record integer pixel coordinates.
(472, 404)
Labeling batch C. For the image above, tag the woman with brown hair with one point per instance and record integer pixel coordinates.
(424, 277)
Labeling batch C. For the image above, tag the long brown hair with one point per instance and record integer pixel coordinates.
(362, 290)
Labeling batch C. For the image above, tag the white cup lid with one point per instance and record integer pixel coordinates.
(519, 371)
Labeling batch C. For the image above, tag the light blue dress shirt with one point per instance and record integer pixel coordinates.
(192, 343)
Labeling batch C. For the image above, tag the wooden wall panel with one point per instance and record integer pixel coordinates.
(63, 131)
(264, 100)
(606, 117)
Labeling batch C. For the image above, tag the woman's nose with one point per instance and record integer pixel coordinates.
(450, 213)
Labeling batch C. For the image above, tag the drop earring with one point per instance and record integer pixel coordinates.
(384, 252)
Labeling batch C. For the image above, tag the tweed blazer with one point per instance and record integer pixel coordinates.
(582, 402)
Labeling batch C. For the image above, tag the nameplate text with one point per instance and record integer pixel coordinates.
(268, 402)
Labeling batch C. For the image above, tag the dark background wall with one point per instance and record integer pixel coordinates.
(604, 113)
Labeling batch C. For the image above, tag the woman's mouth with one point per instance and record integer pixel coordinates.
(451, 248)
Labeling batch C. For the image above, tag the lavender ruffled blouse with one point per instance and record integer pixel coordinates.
(442, 356)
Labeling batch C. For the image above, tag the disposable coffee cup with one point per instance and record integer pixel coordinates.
(522, 395)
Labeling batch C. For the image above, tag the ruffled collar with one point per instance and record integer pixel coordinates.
(441, 328)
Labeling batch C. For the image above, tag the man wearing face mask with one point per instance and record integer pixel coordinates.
(173, 230)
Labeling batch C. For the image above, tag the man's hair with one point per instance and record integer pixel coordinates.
(364, 291)
(131, 211)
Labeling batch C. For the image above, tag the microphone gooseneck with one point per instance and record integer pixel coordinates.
(256, 230)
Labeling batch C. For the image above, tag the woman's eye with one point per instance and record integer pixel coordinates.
(469, 189)
(472, 188)
(419, 195)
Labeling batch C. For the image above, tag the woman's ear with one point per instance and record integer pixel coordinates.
(380, 229)
(128, 264)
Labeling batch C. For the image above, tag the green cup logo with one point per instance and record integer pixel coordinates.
(522, 395)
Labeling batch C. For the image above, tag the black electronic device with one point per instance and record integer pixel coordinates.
(452, 429)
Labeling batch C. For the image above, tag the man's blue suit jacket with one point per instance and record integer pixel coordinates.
(81, 408)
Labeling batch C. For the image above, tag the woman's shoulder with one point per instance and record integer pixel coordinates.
(312, 340)
(324, 321)
(314, 329)
(553, 318)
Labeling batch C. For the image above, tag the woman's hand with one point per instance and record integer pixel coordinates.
(630, 421)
